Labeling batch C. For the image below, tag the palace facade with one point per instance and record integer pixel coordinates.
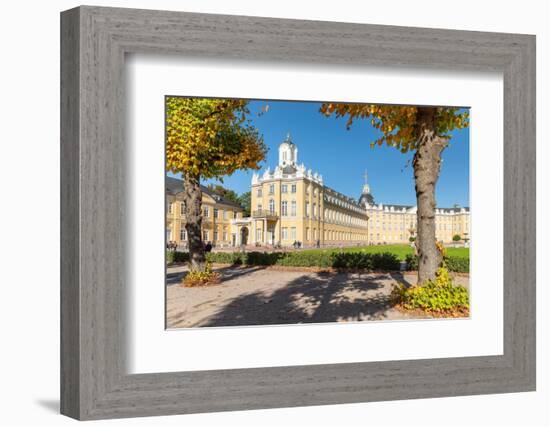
(292, 204)
(397, 223)
(218, 214)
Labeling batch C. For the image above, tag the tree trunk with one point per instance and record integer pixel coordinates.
(192, 200)
(426, 163)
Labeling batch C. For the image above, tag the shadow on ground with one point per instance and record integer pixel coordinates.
(312, 298)
(228, 273)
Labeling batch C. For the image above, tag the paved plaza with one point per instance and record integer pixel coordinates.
(273, 296)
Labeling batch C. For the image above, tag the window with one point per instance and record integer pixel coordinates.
(225, 236)
(271, 206)
(307, 210)
(271, 188)
(206, 212)
(259, 192)
(183, 233)
(224, 213)
(259, 206)
(293, 208)
(205, 235)
(169, 208)
(293, 188)
(216, 212)
(235, 214)
(292, 233)
(284, 188)
(182, 208)
(258, 234)
(284, 208)
(215, 235)
(314, 210)
(284, 232)
(308, 237)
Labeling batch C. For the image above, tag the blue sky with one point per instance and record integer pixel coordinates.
(341, 156)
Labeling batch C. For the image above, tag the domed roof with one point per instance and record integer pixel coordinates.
(287, 140)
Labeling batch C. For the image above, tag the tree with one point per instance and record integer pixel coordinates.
(245, 202)
(424, 130)
(224, 192)
(207, 138)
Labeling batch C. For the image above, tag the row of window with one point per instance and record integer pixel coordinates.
(342, 203)
(205, 235)
(382, 225)
(284, 207)
(225, 214)
(340, 217)
(284, 189)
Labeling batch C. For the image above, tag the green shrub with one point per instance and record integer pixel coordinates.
(438, 296)
(354, 260)
(305, 259)
(201, 278)
(412, 262)
(458, 264)
(234, 258)
(385, 261)
(453, 263)
(175, 256)
(456, 238)
(365, 260)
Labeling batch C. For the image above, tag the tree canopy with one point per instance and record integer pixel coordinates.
(245, 202)
(426, 131)
(399, 124)
(211, 138)
(224, 192)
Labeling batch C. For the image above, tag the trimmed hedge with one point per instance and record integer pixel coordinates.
(175, 256)
(453, 263)
(458, 264)
(354, 260)
(367, 261)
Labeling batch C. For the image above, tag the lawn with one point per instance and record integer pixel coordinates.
(400, 250)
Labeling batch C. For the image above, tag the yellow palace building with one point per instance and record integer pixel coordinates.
(397, 223)
(217, 215)
(291, 204)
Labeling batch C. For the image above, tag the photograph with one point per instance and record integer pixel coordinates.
(293, 212)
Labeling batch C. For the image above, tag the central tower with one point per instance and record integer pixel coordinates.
(366, 197)
(288, 153)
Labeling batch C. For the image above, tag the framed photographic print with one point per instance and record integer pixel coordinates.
(262, 213)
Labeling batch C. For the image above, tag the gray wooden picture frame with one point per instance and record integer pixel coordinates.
(94, 41)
